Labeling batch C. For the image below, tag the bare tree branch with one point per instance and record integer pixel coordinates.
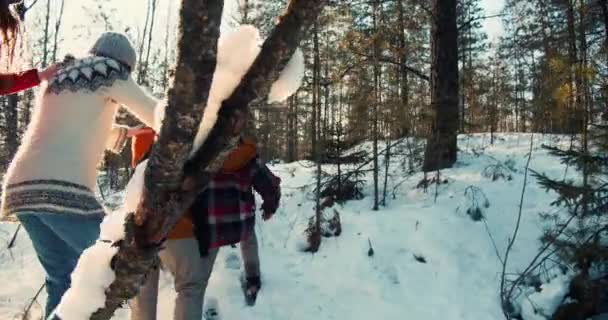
(424, 5)
(386, 59)
(31, 5)
(339, 77)
(473, 19)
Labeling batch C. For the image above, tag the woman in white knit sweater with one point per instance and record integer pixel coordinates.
(48, 186)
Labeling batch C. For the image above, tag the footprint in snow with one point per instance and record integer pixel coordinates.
(233, 261)
(392, 275)
(292, 269)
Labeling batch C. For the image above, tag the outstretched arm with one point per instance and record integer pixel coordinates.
(117, 139)
(13, 83)
(135, 99)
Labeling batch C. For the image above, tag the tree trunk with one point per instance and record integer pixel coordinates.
(146, 64)
(582, 87)
(296, 137)
(375, 110)
(263, 132)
(250, 129)
(124, 117)
(340, 138)
(604, 4)
(471, 85)
(171, 180)
(5, 160)
(45, 45)
(26, 110)
(166, 65)
(316, 130)
(326, 90)
(11, 139)
(291, 129)
(493, 103)
(11, 116)
(572, 74)
(404, 81)
(387, 165)
(548, 102)
(57, 27)
(584, 103)
(516, 88)
(142, 45)
(522, 107)
(462, 104)
(441, 149)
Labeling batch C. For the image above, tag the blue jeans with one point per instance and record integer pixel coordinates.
(59, 240)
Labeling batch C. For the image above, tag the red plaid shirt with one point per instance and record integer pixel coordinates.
(224, 213)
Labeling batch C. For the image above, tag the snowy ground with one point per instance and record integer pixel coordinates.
(459, 280)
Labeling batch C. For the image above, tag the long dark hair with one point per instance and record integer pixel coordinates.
(9, 28)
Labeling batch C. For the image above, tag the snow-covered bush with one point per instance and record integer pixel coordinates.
(475, 203)
(330, 226)
(496, 172)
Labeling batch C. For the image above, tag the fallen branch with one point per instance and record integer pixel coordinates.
(493, 242)
(11, 244)
(26, 312)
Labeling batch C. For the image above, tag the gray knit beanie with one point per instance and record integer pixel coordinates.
(116, 46)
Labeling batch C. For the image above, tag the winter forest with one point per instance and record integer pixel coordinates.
(409, 159)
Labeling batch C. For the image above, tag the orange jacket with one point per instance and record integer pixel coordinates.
(141, 144)
(236, 160)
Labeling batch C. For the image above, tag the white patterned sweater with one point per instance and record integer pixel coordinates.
(54, 170)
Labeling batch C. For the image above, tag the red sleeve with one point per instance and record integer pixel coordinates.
(12, 83)
(140, 145)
